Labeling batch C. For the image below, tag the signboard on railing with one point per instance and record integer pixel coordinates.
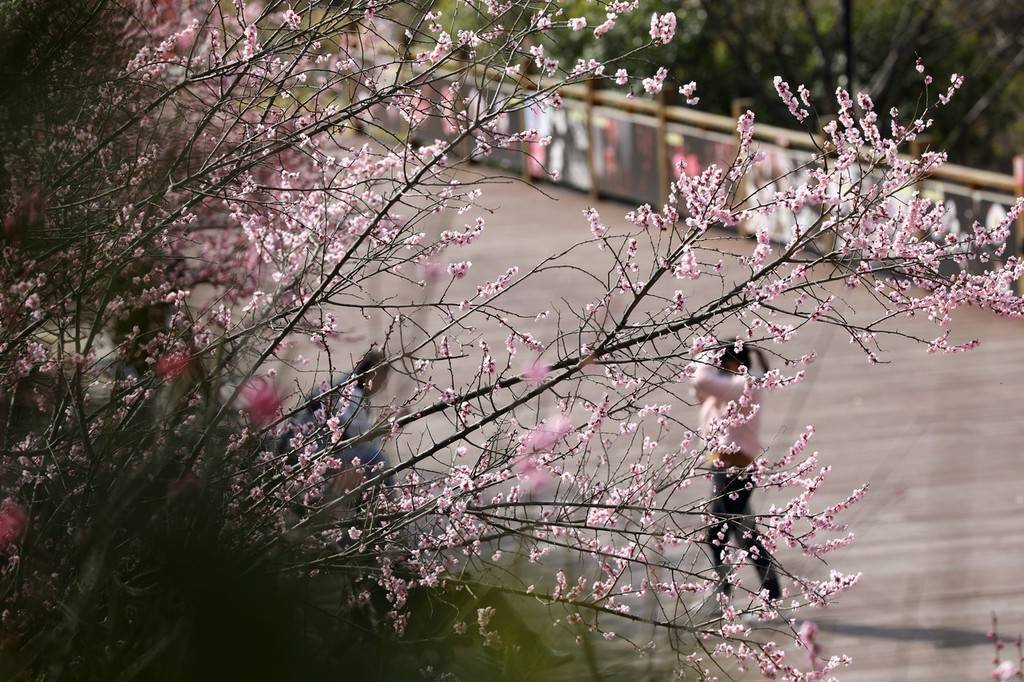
(509, 123)
(781, 170)
(564, 159)
(691, 150)
(963, 208)
(626, 156)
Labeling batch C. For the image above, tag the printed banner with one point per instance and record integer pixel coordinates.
(566, 156)
(626, 156)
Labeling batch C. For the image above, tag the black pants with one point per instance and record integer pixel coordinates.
(733, 518)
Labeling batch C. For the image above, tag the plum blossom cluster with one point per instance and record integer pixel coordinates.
(654, 84)
(782, 87)
(689, 91)
(663, 27)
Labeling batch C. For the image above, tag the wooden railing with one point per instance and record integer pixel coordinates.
(620, 147)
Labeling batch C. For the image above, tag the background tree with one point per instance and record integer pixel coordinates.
(734, 49)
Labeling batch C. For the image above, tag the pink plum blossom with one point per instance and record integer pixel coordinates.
(688, 91)
(533, 475)
(782, 87)
(653, 85)
(1005, 671)
(663, 27)
(536, 372)
(173, 365)
(459, 270)
(431, 271)
(548, 433)
(261, 400)
(292, 19)
(13, 521)
(808, 639)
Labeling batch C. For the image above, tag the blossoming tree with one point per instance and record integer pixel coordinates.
(208, 204)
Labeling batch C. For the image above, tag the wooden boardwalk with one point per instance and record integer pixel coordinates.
(940, 537)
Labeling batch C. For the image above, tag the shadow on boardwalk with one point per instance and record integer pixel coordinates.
(942, 637)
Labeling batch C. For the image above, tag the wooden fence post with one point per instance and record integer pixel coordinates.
(737, 108)
(919, 145)
(664, 172)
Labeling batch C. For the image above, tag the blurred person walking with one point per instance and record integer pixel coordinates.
(719, 388)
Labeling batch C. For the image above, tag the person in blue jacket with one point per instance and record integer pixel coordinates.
(364, 458)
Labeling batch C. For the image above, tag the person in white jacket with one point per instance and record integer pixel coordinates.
(736, 418)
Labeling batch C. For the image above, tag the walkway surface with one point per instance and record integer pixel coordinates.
(940, 537)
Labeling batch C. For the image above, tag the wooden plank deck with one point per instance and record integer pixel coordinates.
(941, 534)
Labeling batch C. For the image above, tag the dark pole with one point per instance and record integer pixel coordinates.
(848, 42)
